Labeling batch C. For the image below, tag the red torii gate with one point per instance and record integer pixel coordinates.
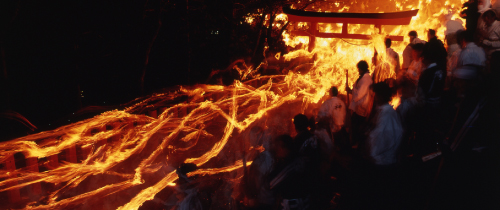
(377, 19)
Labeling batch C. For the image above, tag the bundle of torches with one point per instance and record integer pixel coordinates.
(210, 127)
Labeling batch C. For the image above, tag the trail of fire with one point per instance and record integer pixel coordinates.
(130, 153)
(150, 192)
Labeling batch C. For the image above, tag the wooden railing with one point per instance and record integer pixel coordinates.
(76, 153)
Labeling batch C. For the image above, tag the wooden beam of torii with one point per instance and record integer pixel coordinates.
(377, 19)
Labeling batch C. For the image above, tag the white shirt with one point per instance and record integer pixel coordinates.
(361, 98)
(326, 148)
(394, 57)
(471, 58)
(414, 70)
(492, 34)
(384, 140)
(483, 5)
(407, 59)
(334, 109)
(452, 61)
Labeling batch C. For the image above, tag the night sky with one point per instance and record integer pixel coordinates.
(62, 56)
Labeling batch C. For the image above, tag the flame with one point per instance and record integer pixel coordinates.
(133, 157)
(396, 101)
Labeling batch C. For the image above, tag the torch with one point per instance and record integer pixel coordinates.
(347, 86)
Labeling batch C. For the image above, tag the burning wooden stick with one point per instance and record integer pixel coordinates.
(347, 86)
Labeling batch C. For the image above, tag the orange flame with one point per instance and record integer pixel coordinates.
(140, 153)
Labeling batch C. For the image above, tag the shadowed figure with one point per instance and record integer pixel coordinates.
(361, 102)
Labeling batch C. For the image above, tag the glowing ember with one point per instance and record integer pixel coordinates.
(127, 158)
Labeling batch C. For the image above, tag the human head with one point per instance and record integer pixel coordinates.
(388, 42)
(464, 37)
(301, 122)
(182, 172)
(489, 17)
(431, 34)
(334, 91)
(383, 93)
(256, 136)
(362, 67)
(412, 35)
(407, 89)
(416, 50)
(283, 146)
(430, 54)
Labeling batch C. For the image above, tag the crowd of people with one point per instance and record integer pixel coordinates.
(371, 155)
(370, 162)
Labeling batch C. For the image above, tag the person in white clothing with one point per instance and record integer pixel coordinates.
(361, 99)
(416, 66)
(387, 66)
(385, 136)
(407, 52)
(491, 40)
(333, 111)
(454, 51)
(483, 5)
(471, 61)
(392, 55)
(382, 151)
(361, 102)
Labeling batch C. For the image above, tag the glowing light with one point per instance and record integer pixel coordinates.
(139, 152)
(249, 19)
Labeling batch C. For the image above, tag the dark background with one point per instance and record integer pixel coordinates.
(61, 56)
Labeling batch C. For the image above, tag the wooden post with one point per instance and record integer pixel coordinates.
(175, 112)
(32, 165)
(218, 96)
(345, 28)
(102, 141)
(182, 111)
(53, 162)
(313, 29)
(70, 154)
(162, 109)
(256, 83)
(116, 137)
(15, 194)
(153, 113)
(189, 109)
(85, 152)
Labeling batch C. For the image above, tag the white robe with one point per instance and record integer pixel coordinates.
(326, 148)
(471, 57)
(393, 56)
(385, 138)
(452, 62)
(361, 98)
(414, 70)
(407, 53)
(333, 109)
(492, 34)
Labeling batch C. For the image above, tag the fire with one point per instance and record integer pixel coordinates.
(396, 101)
(130, 155)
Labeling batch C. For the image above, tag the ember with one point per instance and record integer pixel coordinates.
(123, 158)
